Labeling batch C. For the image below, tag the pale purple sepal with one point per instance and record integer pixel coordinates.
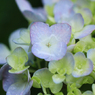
(4, 52)
(77, 22)
(24, 5)
(49, 2)
(85, 31)
(49, 43)
(62, 32)
(19, 88)
(34, 16)
(14, 84)
(2, 70)
(90, 53)
(30, 13)
(70, 47)
(63, 10)
(55, 52)
(39, 31)
(14, 35)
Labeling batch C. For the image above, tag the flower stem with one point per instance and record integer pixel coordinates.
(32, 71)
(38, 63)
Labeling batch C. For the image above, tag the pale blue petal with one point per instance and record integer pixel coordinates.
(47, 2)
(39, 31)
(62, 31)
(91, 54)
(79, 54)
(4, 52)
(14, 35)
(70, 47)
(85, 31)
(24, 37)
(63, 8)
(24, 5)
(77, 22)
(49, 43)
(9, 79)
(41, 10)
(55, 52)
(19, 88)
(2, 70)
(34, 16)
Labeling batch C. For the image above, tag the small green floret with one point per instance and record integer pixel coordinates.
(17, 60)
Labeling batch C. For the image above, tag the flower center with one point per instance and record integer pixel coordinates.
(48, 45)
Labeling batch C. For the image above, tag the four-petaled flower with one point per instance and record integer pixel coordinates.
(49, 43)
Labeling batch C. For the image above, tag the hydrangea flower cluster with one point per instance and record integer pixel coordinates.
(56, 53)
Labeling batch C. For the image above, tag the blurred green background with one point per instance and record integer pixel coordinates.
(10, 20)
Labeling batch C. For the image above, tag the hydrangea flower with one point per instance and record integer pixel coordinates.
(63, 12)
(15, 84)
(83, 66)
(45, 81)
(79, 81)
(17, 60)
(69, 68)
(49, 43)
(5, 51)
(62, 67)
(73, 90)
(86, 14)
(30, 13)
(23, 33)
